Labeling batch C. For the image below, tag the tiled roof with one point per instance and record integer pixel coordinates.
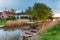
(9, 13)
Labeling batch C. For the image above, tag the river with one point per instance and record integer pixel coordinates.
(10, 35)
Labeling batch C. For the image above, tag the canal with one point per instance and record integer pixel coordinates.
(10, 35)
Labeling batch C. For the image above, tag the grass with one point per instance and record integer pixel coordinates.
(3, 21)
(51, 34)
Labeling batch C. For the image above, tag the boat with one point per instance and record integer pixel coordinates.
(2, 26)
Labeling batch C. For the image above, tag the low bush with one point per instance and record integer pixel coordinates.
(11, 18)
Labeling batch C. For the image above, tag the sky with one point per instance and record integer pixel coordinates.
(20, 5)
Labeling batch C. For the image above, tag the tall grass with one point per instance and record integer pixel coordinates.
(20, 24)
(52, 34)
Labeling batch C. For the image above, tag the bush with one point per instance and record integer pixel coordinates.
(11, 18)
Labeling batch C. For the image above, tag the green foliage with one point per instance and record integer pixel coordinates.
(11, 18)
(52, 34)
(31, 12)
(2, 21)
(13, 10)
(39, 11)
(50, 17)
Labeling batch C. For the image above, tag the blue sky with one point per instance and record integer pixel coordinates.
(23, 4)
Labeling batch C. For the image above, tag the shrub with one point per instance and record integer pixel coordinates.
(11, 18)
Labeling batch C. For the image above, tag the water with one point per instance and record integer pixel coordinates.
(10, 35)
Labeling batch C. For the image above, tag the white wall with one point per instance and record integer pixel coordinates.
(19, 16)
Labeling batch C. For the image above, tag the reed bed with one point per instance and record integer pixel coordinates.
(19, 24)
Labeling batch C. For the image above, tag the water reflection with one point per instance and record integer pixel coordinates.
(10, 35)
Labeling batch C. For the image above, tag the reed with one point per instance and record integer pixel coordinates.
(19, 24)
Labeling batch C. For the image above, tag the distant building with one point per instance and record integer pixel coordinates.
(21, 15)
(6, 14)
(18, 15)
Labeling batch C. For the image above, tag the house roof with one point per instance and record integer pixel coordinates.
(9, 13)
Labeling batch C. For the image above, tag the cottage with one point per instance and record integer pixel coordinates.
(18, 15)
(6, 14)
(21, 15)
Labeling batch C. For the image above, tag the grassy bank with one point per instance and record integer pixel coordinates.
(51, 34)
(3, 21)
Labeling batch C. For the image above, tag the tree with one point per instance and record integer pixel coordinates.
(13, 10)
(31, 12)
(39, 11)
